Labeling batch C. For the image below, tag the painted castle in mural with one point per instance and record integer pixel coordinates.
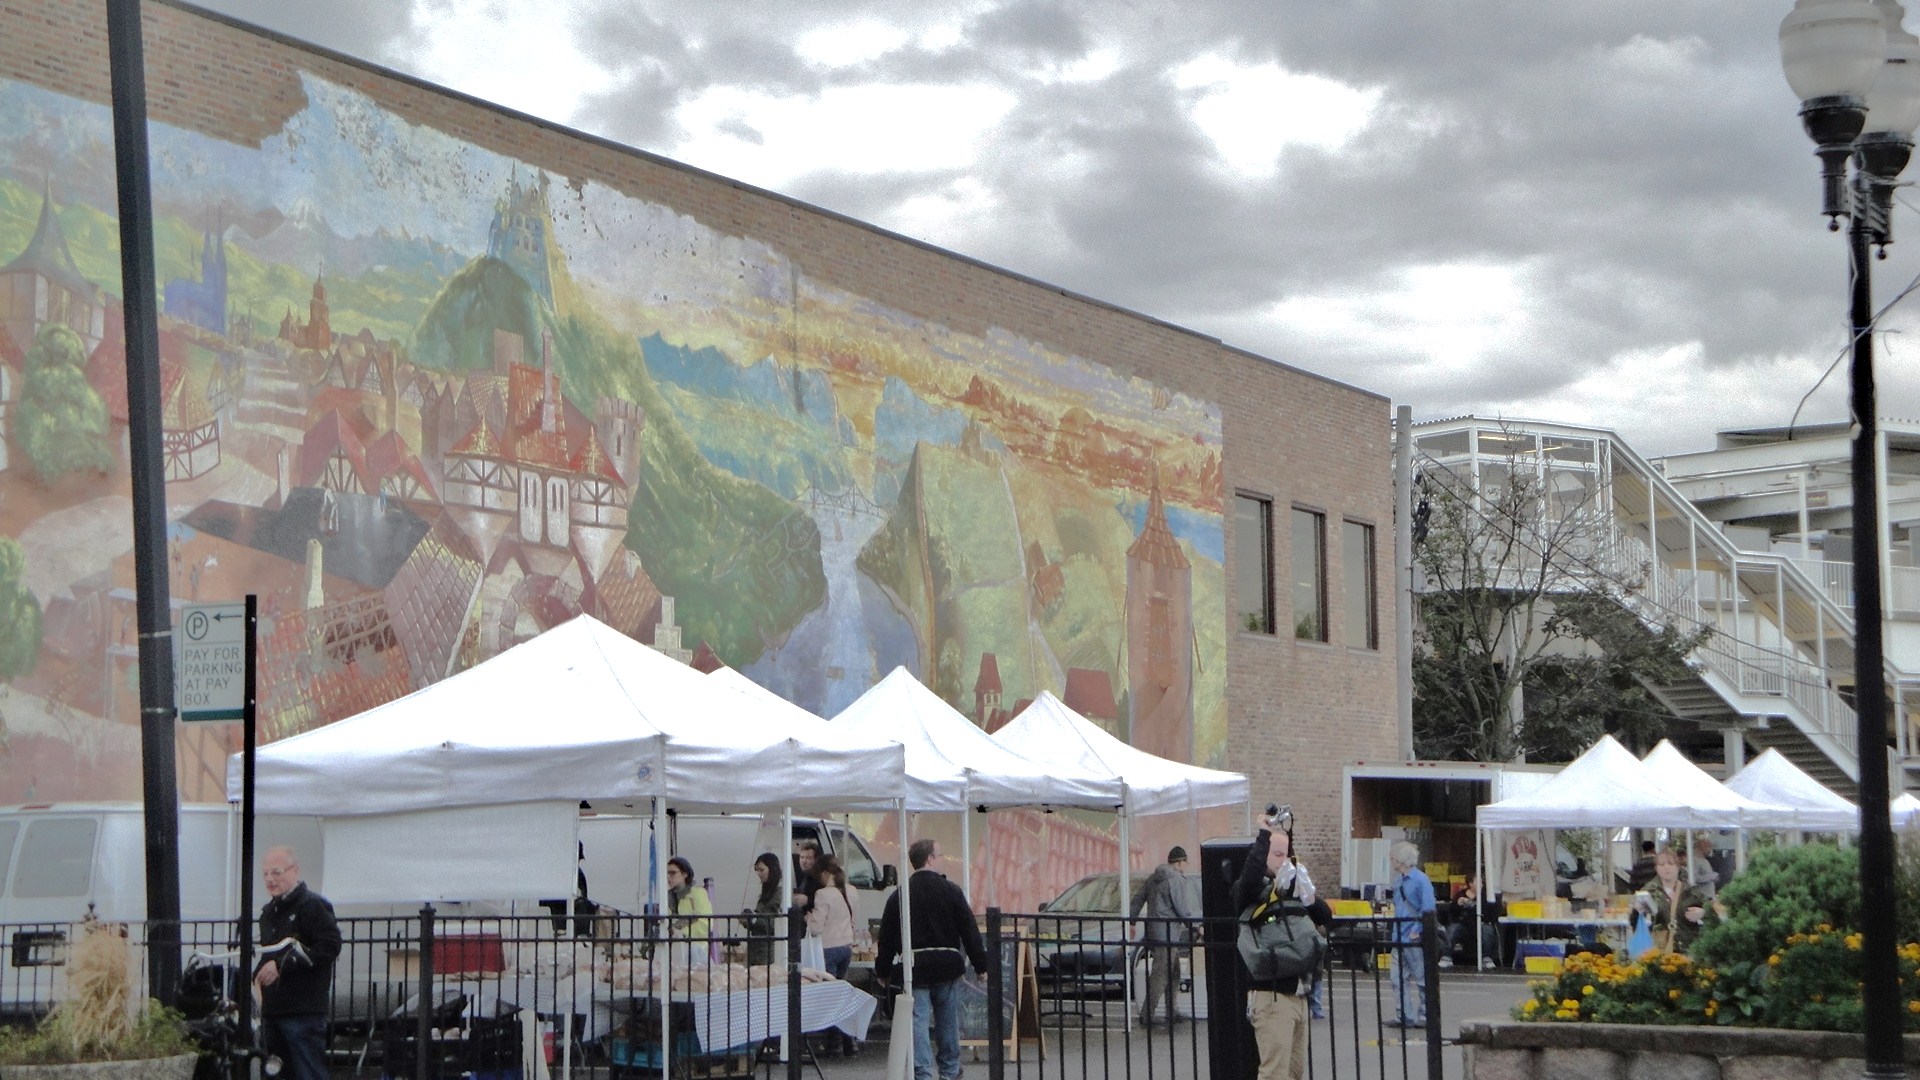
(431, 424)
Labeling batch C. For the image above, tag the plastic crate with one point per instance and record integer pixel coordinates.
(1526, 909)
(1352, 908)
(1544, 965)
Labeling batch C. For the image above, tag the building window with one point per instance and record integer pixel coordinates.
(1309, 575)
(1356, 564)
(1253, 562)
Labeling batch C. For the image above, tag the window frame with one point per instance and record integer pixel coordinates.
(1268, 607)
(1367, 578)
(1318, 632)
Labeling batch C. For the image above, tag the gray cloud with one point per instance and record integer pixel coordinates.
(1638, 169)
(376, 30)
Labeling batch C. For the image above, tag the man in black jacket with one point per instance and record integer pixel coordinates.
(1275, 1007)
(945, 940)
(299, 940)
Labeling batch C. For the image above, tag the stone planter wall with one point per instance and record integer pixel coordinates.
(173, 1068)
(1503, 1050)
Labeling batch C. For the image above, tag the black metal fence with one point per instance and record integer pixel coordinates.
(620, 995)
(1165, 999)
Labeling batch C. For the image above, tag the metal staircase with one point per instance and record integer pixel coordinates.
(1782, 646)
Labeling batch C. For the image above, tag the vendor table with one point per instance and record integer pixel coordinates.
(1534, 929)
(723, 1020)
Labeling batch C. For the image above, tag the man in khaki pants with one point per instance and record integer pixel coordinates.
(1276, 1008)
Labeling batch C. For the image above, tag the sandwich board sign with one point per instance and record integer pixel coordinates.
(212, 647)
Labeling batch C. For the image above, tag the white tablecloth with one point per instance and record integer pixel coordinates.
(743, 1017)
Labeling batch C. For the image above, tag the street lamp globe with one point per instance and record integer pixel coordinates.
(1833, 48)
(1893, 102)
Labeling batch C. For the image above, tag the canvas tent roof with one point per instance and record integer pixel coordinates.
(731, 680)
(1673, 772)
(580, 712)
(952, 764)
(1605, 786)
(1049, 731)
(1905, 811)
(1771, 778)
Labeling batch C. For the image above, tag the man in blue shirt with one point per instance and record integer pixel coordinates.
(1412, 899)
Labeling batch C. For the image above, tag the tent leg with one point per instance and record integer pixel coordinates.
(906, 941)
(1479, 897)
(1126, 961)
(566, 1021)
(663, 954)
(966, 850)
(786, 850)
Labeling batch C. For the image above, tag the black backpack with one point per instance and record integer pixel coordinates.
(1278, 939)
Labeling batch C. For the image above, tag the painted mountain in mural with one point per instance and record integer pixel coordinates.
(486, 297)
(763, 422)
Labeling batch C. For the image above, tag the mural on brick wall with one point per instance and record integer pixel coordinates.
(427, 402)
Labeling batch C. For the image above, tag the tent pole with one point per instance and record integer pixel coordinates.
(786, 850)
(1479, 893)
(1126, 961)
(665, 954)
(566, 1022)
(966, 848)
(906, 937)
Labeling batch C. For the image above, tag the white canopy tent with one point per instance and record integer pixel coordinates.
(1047, 730)
(1605, 787)
(1771, 778)
(953, 766)
(581, 712)
(1673, 772)
(1905, 811)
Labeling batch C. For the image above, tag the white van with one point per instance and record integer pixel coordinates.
(721, 849)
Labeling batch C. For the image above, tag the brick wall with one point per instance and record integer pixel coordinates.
(1297, 710)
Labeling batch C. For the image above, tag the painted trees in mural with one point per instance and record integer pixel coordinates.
(62, 423)
(427, 403)
(19, 614)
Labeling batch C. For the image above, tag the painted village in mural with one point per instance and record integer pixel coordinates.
(428, 402)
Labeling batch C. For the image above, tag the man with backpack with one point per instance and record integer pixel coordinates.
(1279, 946)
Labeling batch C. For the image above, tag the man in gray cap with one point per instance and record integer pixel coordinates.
(1165, 896)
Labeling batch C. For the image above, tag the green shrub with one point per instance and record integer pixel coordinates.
(1782, 892)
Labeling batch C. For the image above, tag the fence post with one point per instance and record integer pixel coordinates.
(1430, 955)
(796, 1039)
(996, 1000)
(423, 1034)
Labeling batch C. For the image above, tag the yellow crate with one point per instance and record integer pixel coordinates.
(1544, 965)
(1383, 961)
(1438, 871)
(1526, 909)
(1412, 821)
(1353, 908)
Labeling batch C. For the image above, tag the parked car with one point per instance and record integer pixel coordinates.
(1083, 940)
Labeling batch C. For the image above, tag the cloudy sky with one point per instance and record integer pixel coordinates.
(1594, 211)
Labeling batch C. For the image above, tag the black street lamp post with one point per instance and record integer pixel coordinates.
(1857, 74)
